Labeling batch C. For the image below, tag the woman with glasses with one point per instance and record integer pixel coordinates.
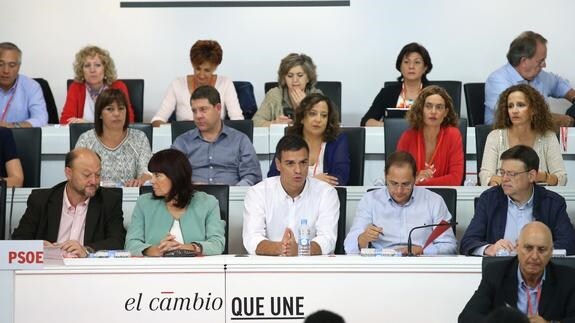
(316, 121)
(413, 63)
(523, 118)
(297, 78)
(433, 139)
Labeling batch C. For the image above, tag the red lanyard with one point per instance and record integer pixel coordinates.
(530, 310)
(422, 143)
(564, 138)
(405, 105)
(8, 104)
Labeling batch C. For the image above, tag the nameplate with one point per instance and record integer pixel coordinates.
(21, 254)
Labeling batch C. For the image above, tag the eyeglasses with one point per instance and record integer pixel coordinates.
(395, 186)
(503, 173)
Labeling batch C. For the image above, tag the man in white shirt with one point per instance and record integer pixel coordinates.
(273, 209)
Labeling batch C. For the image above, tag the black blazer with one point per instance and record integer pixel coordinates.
(386, 98)
(104, 227)
(498, 287)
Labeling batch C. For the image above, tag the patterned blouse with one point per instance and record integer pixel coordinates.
(127, 161)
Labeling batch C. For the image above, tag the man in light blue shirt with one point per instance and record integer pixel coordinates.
(384, 217)
(21, 100)
(218, 154)
(526, 60)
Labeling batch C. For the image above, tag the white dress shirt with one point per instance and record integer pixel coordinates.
(269, 210)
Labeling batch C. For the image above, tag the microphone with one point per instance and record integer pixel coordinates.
(436, 233)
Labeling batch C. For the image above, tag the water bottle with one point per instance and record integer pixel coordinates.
(303, 245)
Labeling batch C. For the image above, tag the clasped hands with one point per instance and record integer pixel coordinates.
(500, 244)
(169, 243)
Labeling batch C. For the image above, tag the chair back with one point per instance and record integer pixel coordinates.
(244, 126)
(453, 88)
(463, 129)
(481, 133)
(77, 129)
(475, 102)
(136, 94)
(331, 89)
(393, 128)
(341, 222)
(2, 210)
(356, 144)
(449, 196)
(221, 193)
(247, 99)
(29, 145)
(51, 107)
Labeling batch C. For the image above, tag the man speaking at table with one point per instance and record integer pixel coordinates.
(385, 216)
(545, 292)
(273, 208)
(78, 215)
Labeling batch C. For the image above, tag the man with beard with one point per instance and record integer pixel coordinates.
(77, 215)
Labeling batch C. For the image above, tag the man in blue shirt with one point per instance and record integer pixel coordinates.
(218, 154)
(526, 60)
(502, 211)
(21, 100)
(543, 291)
(384, 217)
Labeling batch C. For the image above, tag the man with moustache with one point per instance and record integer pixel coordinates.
(273, 208)
(503, 210)
(77, 215)
(543, 291)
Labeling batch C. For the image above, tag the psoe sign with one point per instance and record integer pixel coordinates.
(22, 254)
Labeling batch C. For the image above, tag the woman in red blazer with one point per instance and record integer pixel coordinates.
(434, 140)
(94, 71)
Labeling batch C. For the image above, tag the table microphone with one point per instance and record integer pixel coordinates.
(443, 223)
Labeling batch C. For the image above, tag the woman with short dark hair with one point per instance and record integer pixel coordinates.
(174, 216)
(413, 63)
(125, 152)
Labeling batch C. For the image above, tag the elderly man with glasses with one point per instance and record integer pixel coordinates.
(503, 210)
(384, 217)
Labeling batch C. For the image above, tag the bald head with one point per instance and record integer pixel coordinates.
(534, 250)
(83, 153)
(536, 229)
(83, 174)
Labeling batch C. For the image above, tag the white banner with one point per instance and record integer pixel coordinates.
(21, 254)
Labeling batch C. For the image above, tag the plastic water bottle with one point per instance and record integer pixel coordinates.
(303, 245)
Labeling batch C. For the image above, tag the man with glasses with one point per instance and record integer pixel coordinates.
(503, 210)
(21, 100)
(526, 60)
(385, 216)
